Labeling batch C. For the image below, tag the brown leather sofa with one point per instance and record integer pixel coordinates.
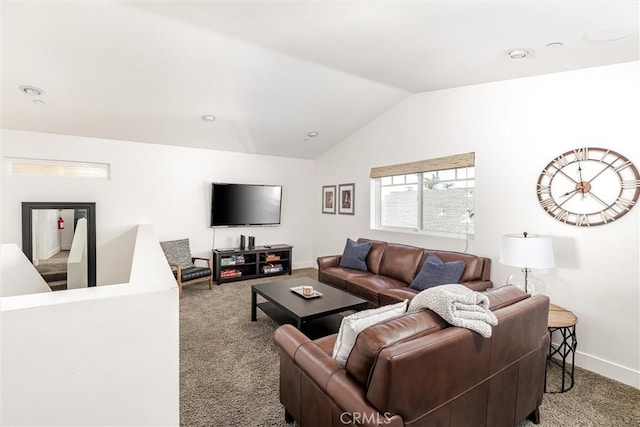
(391, 269)
(416, 370)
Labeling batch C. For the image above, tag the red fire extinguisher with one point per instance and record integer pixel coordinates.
(60, 223)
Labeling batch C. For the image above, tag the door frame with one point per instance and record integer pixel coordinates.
(27, 233)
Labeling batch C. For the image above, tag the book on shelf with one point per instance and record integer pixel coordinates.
(272, 257)
(226, 274)
(232, 260)
(272, 268)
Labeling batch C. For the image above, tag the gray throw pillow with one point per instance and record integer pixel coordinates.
(178, 252)
(355, 255)
(434, 272)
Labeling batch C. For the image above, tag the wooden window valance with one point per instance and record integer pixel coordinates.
(441, 163)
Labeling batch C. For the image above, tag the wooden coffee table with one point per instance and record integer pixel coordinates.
(285, 306)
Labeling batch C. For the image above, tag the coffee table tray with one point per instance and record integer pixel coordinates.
(298, 291)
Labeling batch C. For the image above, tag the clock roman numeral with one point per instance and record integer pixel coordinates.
(621, 204)
(604, 156)
(581, 153)
(623, 166)
(630, 184)
(561, 215)
(561, 161)
(548, 203)
(544, 189)
(607, 216)
(582, 219)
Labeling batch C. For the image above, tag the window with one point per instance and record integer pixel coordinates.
(57, 168)
(431, 196)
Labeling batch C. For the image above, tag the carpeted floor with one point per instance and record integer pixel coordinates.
(229, 369)
(54, 270)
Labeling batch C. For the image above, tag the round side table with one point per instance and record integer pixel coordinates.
(564, 322)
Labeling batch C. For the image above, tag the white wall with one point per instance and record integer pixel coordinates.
(515, 128)
(95, 356)
(18, 277)
(48, 236)
(164, 185)
(66, 235)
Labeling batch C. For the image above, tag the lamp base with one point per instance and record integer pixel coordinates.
(530, 284)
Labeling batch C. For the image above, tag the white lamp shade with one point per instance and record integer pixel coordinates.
(527, 252)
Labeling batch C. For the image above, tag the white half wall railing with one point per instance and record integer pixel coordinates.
(77, 264)
(105, 355)
(18, 275)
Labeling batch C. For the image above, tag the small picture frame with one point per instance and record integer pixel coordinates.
(346, 199)
(329, 199)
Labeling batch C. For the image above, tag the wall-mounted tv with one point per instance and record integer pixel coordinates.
(237, 205)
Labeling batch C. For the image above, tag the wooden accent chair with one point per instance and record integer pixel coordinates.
(183, 265)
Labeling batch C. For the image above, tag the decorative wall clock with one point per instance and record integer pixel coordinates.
(588, 186)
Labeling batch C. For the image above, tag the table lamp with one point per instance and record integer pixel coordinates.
(526, 252)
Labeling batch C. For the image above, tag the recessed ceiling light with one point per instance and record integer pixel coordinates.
(38, 101)
(555, 45)
(208, 117)
(519, 53)
(31, 90)
(312, 134)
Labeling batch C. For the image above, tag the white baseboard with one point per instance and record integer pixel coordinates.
(608, 369)
(304, 264)
(52, 252)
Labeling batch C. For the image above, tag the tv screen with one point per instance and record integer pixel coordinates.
(245, 204)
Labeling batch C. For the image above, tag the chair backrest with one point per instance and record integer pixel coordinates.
(178, 252)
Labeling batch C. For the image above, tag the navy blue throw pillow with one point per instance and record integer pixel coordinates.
(434, 272)
(354, 255)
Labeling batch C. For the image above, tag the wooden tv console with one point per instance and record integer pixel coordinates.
(241, 264)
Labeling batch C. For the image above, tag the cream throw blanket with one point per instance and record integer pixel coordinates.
(458, 305)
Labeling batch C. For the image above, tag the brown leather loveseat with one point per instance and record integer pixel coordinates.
(391, 267)
(416, 370)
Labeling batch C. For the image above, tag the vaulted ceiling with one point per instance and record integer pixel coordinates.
(271, 72)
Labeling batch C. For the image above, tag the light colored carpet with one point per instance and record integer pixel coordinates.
(229, 369)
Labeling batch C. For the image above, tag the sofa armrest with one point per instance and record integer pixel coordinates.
(177, 270)
(334, 382)
(349, 395)
(329, 261)
(290, 339)
(306, 354)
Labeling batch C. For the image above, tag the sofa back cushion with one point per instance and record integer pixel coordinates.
(472, 264)
(375, 254)
(401, 262)
(435, 272)
(375, 338)
(354, 255)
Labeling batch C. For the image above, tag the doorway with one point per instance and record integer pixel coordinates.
(60, 240)
(53, 235)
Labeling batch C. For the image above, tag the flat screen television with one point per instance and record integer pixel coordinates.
(237, 205)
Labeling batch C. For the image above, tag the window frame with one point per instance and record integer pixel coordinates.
(421, 169)
(57, 169)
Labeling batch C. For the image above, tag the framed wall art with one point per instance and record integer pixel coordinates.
(346, 199)
(329, 199)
